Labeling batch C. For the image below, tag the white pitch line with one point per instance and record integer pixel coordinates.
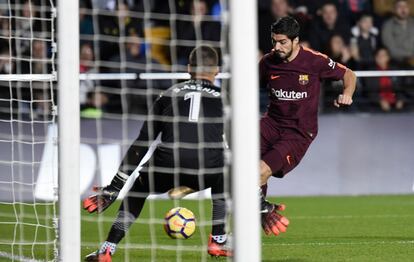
(202, 248)
(18, 258)
(110, 219)
(401, 242)
(149, 246)
(349, 216)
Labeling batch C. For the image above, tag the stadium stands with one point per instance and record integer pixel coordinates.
(129, 36)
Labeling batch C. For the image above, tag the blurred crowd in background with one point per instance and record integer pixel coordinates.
(136, 36)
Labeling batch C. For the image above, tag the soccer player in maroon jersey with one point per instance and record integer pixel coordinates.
(292, 74)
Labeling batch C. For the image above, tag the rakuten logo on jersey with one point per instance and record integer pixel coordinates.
(289, 95)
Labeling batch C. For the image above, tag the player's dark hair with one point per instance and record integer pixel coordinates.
(287, 26)
(203, 59)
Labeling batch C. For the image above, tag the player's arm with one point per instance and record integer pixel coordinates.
(329, 69)
(105, 196)
(349, 80)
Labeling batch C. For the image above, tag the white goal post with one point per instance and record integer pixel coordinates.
(245, 130)
(69, 130)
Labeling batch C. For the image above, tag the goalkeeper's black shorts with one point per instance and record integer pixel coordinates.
(168, 169)
(186, 161)
(157, 182)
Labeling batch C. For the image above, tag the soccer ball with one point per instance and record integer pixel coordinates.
(179, 223)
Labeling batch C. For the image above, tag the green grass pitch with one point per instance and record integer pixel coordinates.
(360, 228)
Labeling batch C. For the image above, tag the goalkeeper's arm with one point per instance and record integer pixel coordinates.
(105, 196)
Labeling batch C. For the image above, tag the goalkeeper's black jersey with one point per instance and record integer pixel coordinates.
(189, 117)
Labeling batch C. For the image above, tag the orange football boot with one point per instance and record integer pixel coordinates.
(219, 249)
(99, 257)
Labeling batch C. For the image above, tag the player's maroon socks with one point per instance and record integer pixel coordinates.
(264, 190)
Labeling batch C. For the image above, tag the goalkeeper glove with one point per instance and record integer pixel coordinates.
(272, 221)
(105, 196)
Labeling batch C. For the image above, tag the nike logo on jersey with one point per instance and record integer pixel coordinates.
(273, 77)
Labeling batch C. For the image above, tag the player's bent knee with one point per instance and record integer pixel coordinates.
(265, 169)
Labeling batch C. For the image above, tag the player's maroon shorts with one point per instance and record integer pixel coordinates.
(281, 149)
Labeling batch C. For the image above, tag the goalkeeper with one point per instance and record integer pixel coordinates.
(189, 118)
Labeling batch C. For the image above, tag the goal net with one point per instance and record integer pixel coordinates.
(27, 118)
(152, 39)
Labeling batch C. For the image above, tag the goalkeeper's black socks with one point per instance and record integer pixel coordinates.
(219, 217)
(120, 226)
